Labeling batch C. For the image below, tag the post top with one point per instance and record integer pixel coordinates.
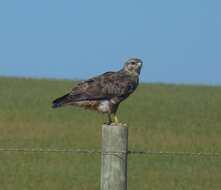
(115, 125)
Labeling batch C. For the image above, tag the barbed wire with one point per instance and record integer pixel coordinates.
(96, 151)
(22, 149)
(211, 154)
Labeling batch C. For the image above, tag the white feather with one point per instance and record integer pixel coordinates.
(104, 106)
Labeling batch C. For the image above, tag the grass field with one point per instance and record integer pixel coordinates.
(160, 118)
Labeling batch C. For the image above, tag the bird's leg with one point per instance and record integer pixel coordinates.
(113, 120)
(109, 119)
(116, 119)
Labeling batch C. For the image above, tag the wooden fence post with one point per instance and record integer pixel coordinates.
(114, 157)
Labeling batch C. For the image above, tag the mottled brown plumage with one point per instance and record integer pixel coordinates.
(105, 92)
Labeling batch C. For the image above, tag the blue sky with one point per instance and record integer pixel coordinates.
(179, 41)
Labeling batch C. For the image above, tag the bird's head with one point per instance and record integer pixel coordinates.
(133, 66)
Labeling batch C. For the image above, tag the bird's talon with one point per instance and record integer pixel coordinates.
(118, 124)
(107, 123)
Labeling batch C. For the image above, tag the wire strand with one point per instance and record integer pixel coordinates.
(95, 151)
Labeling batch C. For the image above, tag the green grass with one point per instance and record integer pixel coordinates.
(160, 117)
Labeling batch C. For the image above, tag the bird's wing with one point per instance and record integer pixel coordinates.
(105, 86)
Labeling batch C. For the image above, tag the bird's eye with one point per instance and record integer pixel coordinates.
(133, 63)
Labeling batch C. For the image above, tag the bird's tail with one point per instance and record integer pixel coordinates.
(59, 101)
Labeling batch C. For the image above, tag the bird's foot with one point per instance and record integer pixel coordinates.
(108, 123)
(118, 124)
(114, 122)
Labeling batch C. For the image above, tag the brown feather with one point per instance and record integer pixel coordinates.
(104, 92)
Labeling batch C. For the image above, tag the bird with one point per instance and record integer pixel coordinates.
(105, 92)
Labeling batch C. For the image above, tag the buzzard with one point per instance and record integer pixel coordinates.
(105, 92)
